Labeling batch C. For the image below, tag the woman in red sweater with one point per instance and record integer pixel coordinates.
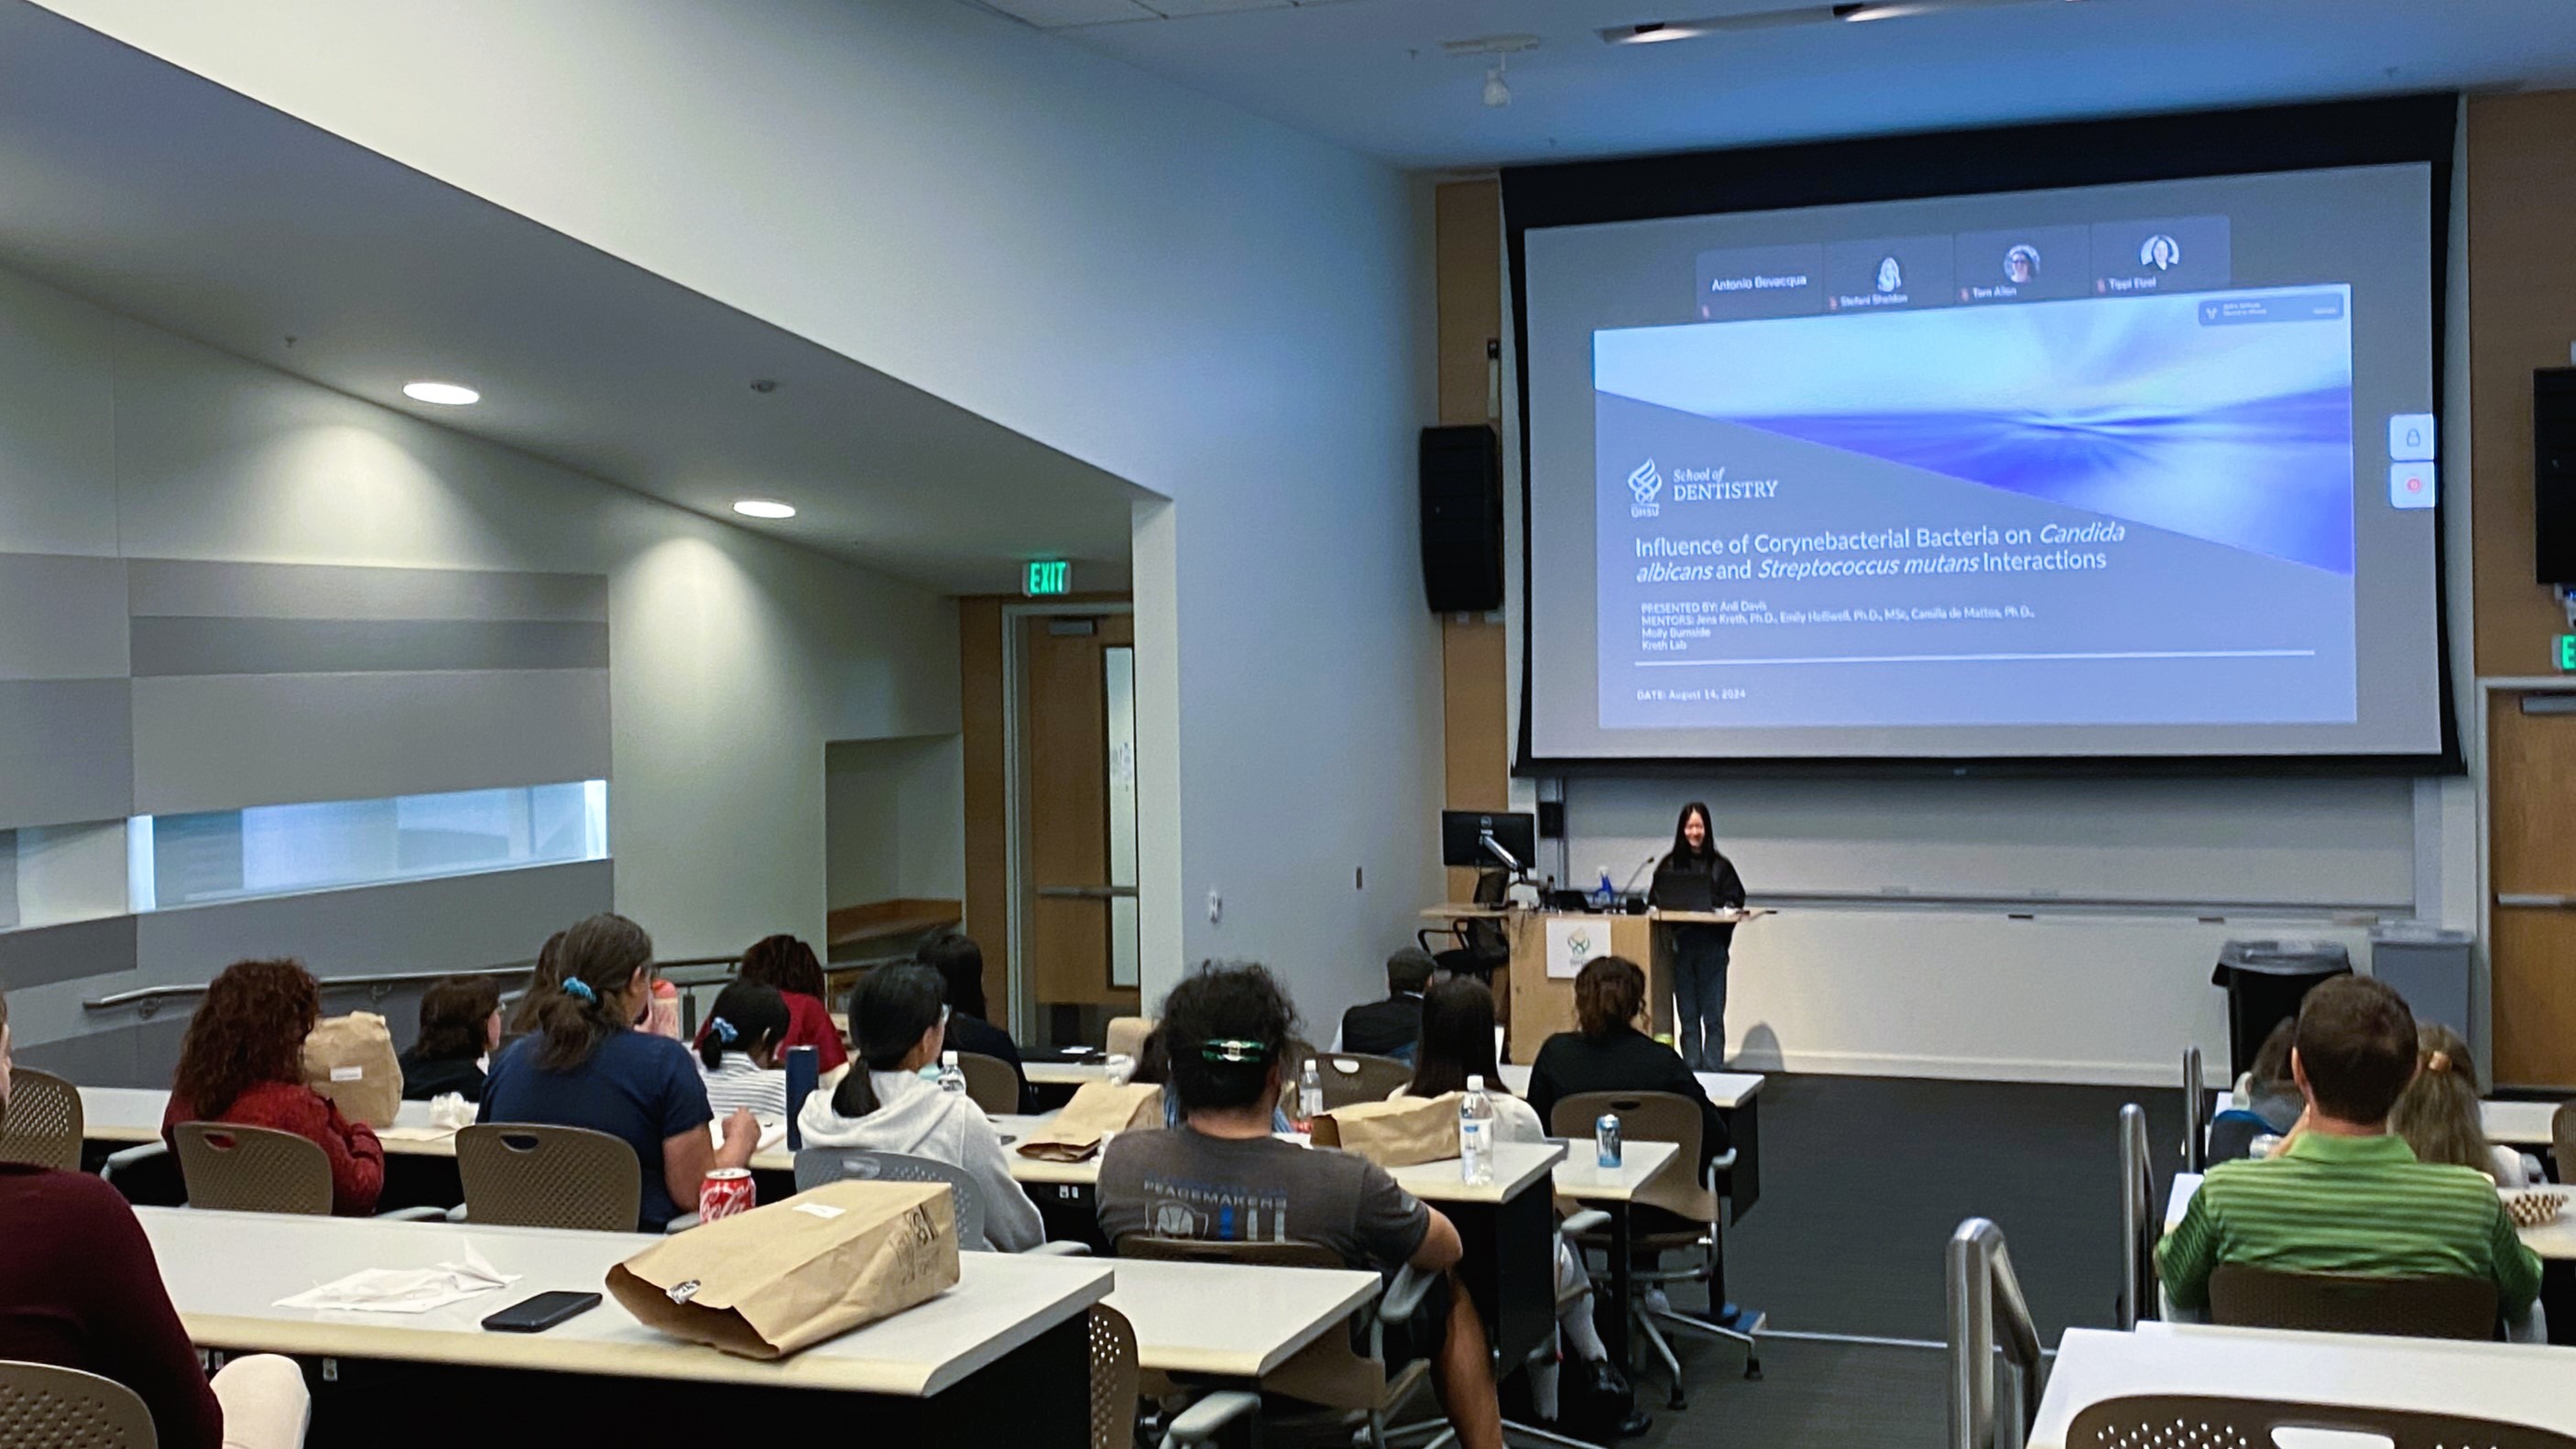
(243, 1062)
(788, 964)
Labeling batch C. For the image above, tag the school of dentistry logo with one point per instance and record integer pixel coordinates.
(1644, 484)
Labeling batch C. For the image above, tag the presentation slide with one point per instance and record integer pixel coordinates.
(2134, 470)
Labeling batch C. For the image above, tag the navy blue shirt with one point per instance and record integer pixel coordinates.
(637, 1086)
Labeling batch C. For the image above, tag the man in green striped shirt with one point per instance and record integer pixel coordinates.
(2346, 1196)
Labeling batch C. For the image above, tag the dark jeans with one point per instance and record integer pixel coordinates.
(1699, 997)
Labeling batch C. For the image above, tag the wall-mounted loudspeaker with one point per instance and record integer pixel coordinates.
(1462, 519)
(2553, 479)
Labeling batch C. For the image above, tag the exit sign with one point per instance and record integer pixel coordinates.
(1050, 576)
(2567, 652)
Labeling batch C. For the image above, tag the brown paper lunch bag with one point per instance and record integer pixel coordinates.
(350, 1059)
(1097, 1109)
(779, 1278)
(1398, 1132)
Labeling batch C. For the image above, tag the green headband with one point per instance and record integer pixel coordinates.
(1234, 1051)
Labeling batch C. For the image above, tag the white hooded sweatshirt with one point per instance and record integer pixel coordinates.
(917, 1118)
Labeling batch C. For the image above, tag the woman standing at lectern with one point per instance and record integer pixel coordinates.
(1700, 947)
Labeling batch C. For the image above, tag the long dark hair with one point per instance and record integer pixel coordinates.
(889, 1012)
(249, 1029)
(747, 1017)
(783, 962)
(1704, 858)
(453, 1016)
(959, 962)
(1457, 1039)
(1608, 994)
(599, 957)
(542, 983)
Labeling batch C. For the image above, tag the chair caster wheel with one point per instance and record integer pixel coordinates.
(1678, 1400)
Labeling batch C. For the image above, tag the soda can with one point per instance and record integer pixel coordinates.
(726, 1191)
(1605, 1140)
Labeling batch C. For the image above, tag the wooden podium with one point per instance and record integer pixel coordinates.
(1536, 1005)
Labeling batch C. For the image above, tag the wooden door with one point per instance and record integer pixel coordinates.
(2531, 946)
(1079, 820)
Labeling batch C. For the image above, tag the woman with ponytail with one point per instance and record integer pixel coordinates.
(2438, 1113)
(891, 1101)
(586, 1067)
(740, 1050)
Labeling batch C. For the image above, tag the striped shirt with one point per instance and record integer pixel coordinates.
(740, 1084)
(2359, 1205)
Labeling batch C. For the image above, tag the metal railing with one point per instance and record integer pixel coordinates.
(1987, 1313)
(147, 1000)
(2139, 1223)
(2195, 1113)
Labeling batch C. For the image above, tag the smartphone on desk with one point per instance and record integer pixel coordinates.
(544, 1311)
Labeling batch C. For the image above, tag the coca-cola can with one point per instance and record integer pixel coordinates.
(726, 1191)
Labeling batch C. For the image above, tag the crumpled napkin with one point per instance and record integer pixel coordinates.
(451, 1111)
(405, 1290)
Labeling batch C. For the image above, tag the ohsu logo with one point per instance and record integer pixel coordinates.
(1643, 485)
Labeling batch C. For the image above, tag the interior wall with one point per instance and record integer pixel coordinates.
(894, 820)
(1227, 313)
(732, 657)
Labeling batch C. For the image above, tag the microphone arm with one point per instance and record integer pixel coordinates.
(1631, 886)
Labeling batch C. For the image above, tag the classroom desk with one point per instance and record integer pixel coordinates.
(2554, 1242)
(1044, 1073)
(128, 1116)
(1000, 1356)
(2519, 1124)
(2518, 1383)
(1508, 1228)
(1268, 1314)
(1738, 1099)
(1614, 1189)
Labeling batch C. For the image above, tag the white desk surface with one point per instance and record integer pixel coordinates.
(1581, 1177)
(225, 1272)
(2552, 1240)
(133, 1115)
(1047, 1073)
(1516, 1166)
(2520, 1124)
(1231, 1321)
(2518, 1383)
(1726, 1090)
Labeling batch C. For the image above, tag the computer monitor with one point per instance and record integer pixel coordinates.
(1462, 835)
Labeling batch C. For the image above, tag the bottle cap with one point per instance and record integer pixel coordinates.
(1475, 1084)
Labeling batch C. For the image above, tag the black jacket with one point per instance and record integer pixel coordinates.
(1389, 1028)
(424, 1080)
(975, 1034)
(1627, 1061)
(1729, 891)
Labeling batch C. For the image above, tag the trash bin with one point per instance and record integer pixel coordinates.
(2427, 965)
(2266, 981)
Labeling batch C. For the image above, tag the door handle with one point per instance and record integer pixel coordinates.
(1088, 893)
(2534, 901)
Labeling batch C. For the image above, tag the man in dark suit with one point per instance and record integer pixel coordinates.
(1390, 1028)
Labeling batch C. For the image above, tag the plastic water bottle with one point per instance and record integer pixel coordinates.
(1476, 1134)
(1605, 895)
(1310, 1091)
(952, 1078)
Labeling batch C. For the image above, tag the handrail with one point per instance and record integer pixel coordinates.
(2139, 1227)
(146, 1000)
(2195, 1107)
(1984, 1296)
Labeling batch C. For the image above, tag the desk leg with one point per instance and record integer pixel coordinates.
(1615, 1316)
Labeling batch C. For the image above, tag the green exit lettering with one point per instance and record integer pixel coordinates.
(2567, 652)
(1049, 576)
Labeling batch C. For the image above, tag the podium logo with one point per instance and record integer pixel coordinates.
(1643, 485)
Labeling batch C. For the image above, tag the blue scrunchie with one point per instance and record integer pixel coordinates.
(724, 1030)
(575, 986)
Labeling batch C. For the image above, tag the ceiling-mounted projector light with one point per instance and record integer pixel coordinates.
(1497, 94)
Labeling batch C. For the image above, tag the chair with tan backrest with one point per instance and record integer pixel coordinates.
(1352, 1393)
(530, 1175)
(2243, 1296)
(1665, 1117)
(43, 1124)
(2190, 1421)
(1351, 1077)
(2562, 1138)
(1126, 1035)
(1114, 1376)
(816, 1166)
(229, 1168)
(44, 1407)
(991, 1083)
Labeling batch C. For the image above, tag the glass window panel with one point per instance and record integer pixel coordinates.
(271, 850)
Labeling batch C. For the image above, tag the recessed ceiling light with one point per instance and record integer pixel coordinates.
(445, 394)
(763, 508)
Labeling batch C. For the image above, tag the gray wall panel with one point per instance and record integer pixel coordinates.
(430, 925)
(61, 616)
(174, 646)
(229, 741)
(188, 588)
(43, 955)
(65, 751)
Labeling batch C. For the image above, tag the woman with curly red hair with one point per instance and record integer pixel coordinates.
(789, 965)
(242, 1062)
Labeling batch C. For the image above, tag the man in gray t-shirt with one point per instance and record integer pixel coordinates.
(1220, 1175)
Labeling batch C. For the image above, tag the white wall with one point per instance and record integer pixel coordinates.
(895, 819)
(733, 657)
(1227, 313)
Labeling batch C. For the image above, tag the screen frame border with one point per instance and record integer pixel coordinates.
(2174, 146)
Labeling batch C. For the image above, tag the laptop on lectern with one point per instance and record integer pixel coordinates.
(1684, 890)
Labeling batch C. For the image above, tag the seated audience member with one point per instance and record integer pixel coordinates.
(242, 1062)
(892, 1102)
(460, 1028)
(542, 982)
(1154, 1068)
(588, 1067)
(1458, 1043)
(787, 966)
(960, 963)
(1222, 1175)
(2265, 1101)
(1389, 1028)
(79, 1290)
(2345, 1196)
(2438, 1112)
(740, 1050)
(1607, 1053)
